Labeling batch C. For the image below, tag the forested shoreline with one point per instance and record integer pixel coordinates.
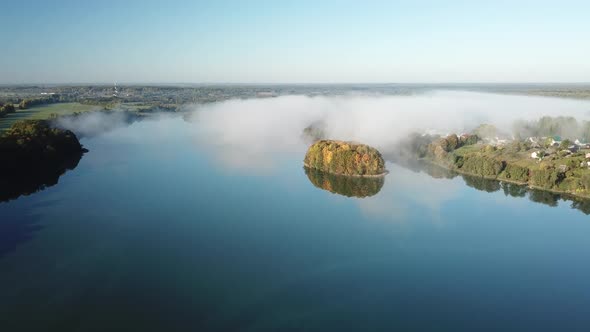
(545, 163)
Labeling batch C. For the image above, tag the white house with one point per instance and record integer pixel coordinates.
(583, 145)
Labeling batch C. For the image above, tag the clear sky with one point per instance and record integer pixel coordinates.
(303, 41)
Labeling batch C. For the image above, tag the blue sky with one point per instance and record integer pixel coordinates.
(294, 41)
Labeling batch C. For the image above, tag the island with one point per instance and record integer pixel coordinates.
(345, 158)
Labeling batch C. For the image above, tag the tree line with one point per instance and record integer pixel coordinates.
(6, 109)
(51, 99)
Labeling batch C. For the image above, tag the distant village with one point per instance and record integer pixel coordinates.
(545, 147)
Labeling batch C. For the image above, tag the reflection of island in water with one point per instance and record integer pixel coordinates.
(509, 189)
(350, 186)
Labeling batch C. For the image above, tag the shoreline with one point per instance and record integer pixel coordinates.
(350, 175)
(520, 183)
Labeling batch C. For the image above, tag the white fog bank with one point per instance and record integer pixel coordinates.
(247, 130)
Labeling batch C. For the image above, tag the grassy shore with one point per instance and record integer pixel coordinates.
(43, 112)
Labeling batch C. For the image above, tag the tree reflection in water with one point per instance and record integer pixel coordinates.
(18, 228)
(509, 189)
(349, 186)
(26, 181)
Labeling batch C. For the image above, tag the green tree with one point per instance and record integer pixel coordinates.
(24, 104)
(565, 144)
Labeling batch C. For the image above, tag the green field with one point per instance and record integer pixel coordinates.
(44, 112)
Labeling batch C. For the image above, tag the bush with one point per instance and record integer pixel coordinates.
(516, 173)
(8, 108)
(565, 144)
(452, 142)
(440, 148)
(585, 181)
(482, 166)
(469, 139)
(547, 178)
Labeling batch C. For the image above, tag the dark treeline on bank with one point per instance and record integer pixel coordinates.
(33, 155)
(49, 99)
(6, 109)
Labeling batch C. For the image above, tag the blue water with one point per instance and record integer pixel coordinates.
(155, 231)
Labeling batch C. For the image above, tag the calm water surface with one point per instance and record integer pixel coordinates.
(155, 230)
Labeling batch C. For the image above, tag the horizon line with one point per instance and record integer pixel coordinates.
(297, 83)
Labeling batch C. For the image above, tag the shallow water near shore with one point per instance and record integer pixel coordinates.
(157, 229)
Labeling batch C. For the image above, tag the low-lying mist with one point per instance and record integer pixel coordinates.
(94, 123)
(252, 133)
(246, 131)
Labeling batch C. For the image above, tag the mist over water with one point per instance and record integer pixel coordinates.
(246, 133)
(256, 136)
(93, 123)
(251, 135)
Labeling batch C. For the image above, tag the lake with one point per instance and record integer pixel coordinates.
(157, 229)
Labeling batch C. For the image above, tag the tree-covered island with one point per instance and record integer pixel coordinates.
(345, 158)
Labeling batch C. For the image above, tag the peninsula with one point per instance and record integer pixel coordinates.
(552, 162)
